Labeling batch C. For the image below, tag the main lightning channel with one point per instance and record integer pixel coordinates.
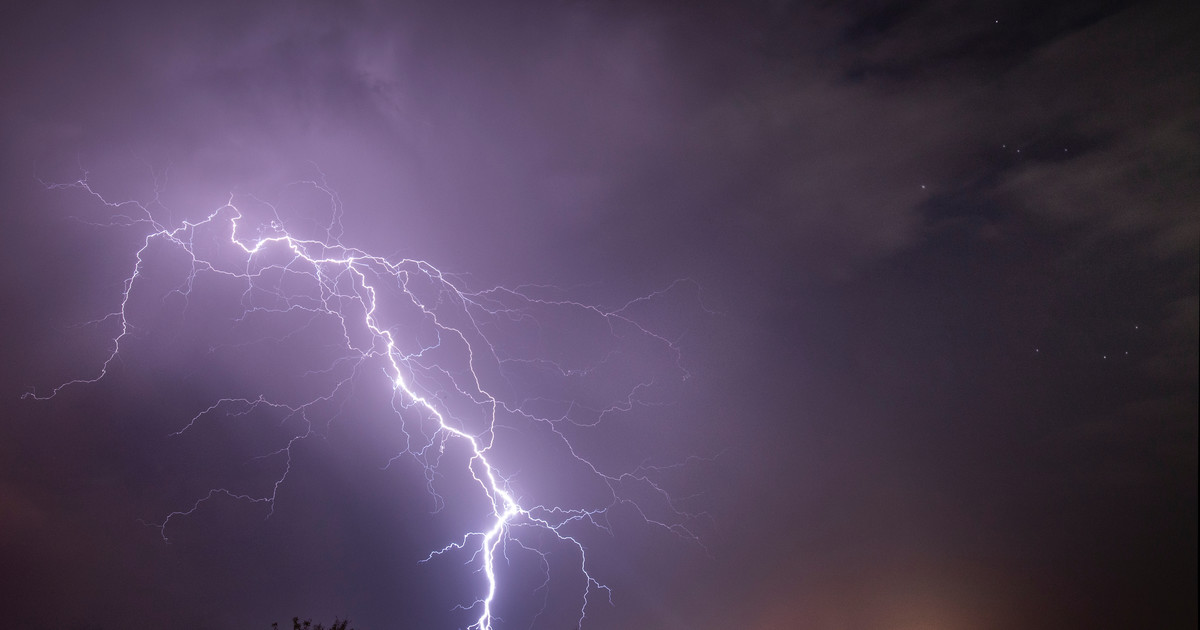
(346, 284)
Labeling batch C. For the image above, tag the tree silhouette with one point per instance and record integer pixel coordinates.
(307, 624)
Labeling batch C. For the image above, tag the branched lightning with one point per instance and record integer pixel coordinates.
(435, 339)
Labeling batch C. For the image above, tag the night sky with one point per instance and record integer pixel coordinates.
(938, 305)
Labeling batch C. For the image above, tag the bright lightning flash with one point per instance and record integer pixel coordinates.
(436, 341)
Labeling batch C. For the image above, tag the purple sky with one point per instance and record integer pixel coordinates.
(950, 377)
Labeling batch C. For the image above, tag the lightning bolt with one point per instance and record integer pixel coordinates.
(436, 341)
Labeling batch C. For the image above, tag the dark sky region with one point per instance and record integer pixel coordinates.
(943, 355)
